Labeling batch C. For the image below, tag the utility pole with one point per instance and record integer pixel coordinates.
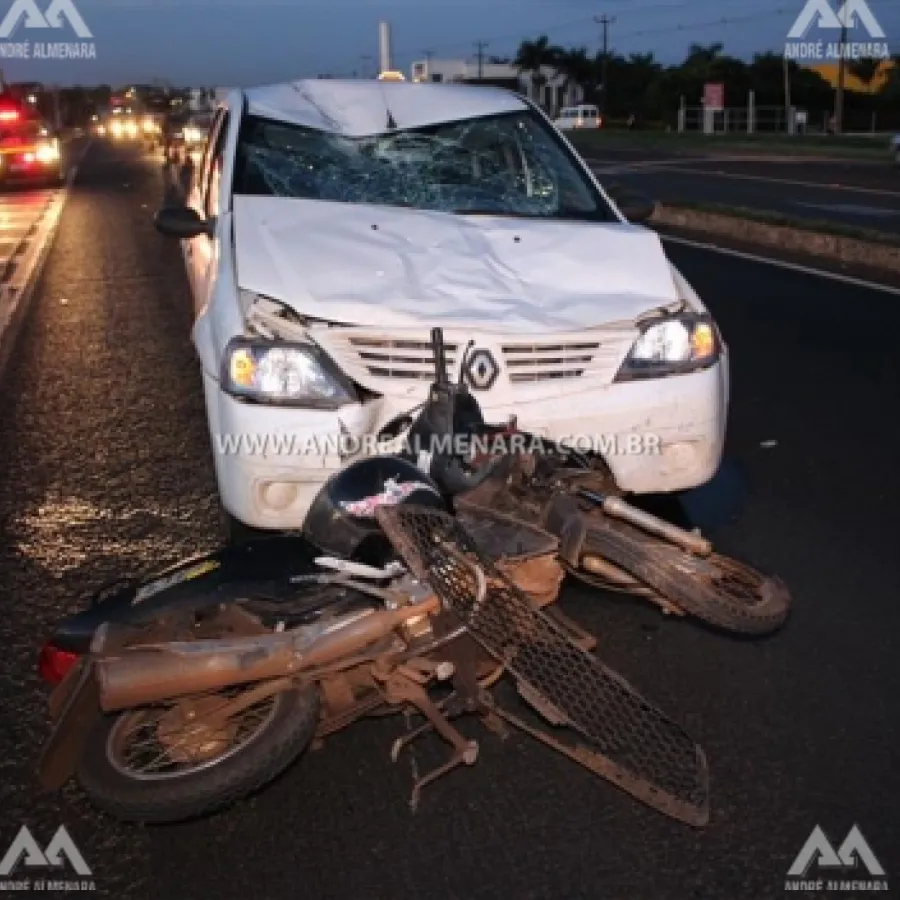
(789, 127)
(842, 77)
(605, 21)
(480, 47)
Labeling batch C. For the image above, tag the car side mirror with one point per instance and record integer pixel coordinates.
(634, 207)
(180, 222)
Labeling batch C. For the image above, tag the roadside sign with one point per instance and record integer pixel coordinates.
(714, 95)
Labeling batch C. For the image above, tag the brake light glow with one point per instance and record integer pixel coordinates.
(9, 115)
(54, 664)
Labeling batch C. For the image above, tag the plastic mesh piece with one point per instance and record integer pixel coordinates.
(650, 755)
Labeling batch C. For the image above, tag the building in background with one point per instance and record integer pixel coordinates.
(548, 88)
(831, 73)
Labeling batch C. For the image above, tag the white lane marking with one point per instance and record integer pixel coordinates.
(73, 169)
(783, 264)
(853, 209)
(647, 169)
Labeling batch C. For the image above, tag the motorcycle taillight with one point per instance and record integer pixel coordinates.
(54, 664)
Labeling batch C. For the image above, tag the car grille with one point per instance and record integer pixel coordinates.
(408, 359)
(545, 362)
(400, 358)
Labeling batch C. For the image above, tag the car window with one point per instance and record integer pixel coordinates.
(213, 181)
(208, 147)
(511, 164)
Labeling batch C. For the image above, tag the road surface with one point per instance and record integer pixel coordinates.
(856, 194)
(106, 470)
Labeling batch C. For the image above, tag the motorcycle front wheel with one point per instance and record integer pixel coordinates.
(180, 760)
(723, 592)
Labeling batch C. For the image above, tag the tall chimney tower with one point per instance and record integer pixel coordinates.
(385, 63)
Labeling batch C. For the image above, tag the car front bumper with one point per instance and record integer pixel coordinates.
(656, 436)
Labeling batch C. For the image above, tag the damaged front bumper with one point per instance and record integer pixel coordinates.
(655, 435)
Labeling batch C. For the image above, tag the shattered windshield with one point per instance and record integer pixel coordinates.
(511, 164)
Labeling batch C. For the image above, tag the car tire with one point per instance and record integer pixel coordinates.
(235, 531)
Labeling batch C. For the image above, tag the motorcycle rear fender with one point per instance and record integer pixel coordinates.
(75, 708)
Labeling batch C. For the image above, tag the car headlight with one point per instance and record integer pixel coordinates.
(674, 345)
(286, 373)
(48, 152)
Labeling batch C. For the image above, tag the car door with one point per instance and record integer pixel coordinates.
(200, 252)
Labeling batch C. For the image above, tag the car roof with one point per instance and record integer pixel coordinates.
(358, 108)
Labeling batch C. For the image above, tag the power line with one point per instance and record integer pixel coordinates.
(677, 28)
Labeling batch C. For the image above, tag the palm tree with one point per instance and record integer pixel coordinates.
(576, 67)
(532, 56)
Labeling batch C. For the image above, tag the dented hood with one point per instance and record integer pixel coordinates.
(382, 266)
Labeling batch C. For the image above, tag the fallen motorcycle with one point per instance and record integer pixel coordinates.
(187, 692)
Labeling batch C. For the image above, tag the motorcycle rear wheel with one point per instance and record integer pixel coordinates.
(216, 777)
(716, 589)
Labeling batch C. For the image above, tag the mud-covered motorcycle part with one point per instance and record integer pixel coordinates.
(500, 536)
(563, 518)
(642, 751)
(75, 709)
(720, 591)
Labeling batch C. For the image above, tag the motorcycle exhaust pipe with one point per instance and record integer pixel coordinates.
(144, 675)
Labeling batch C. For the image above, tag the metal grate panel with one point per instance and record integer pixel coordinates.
(648, 754)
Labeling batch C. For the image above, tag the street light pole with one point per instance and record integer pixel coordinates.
(480, 47)
(605, 21)
(842, 77)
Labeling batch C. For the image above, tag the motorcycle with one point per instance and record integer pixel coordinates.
(409, 588)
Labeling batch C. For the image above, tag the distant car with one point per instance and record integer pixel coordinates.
(186, 134)
(124, 126)
(334, 223)
(29, 150)
(583, 116)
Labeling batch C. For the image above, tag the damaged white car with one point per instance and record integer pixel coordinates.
(333, 224)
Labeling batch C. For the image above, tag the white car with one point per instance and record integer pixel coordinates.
(319, 263)
(583, 116)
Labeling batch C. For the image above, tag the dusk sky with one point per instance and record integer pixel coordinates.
(244, 42)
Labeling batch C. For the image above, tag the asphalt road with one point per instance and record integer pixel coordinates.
(106, 470)
(858, 194)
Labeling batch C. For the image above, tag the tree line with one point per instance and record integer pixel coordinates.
(641, 86)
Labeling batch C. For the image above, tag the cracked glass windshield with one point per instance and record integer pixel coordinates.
(509, 165)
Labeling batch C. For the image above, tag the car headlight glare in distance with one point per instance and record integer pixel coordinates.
(48, 152)
(674, 345)
(284, 373)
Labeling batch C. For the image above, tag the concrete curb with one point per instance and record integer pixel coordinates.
(18, 282)
(853, 251)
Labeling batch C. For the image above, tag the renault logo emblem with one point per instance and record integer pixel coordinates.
(481, 370)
